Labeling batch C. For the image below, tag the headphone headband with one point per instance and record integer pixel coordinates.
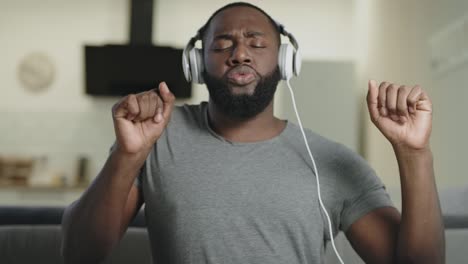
(290, 36)
(191, 43)
(280, 27)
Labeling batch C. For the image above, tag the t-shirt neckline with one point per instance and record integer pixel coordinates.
(206, 124)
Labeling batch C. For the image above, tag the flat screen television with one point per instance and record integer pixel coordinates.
(118, 70)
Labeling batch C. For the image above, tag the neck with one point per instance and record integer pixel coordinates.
(261, 127)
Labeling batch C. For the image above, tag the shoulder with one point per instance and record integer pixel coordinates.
(338, 165)
(327, 150)
(188, 115)
(188, 111)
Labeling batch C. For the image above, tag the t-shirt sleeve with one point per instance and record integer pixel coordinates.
(362, 189)
(363, 202)
(357, 188)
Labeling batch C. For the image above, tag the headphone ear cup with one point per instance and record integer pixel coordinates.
(286, 61)
(186, 66)
(196, 65)
(297, 62)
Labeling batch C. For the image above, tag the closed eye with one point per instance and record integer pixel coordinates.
(221, 45)
(258, 44)
(221, 49)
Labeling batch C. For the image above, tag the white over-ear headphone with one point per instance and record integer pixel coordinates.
(289, 58)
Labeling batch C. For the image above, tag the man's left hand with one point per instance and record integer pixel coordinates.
(402, 113)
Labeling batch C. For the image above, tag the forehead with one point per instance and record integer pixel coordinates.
(240, 18)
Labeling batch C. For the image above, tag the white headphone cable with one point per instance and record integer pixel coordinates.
(315, 171)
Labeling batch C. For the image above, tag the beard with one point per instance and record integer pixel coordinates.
(243, 106)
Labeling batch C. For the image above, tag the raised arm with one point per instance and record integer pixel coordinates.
(404, 116)
(95, 223)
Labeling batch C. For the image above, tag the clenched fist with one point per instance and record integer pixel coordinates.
(140, 119)
(402, 113)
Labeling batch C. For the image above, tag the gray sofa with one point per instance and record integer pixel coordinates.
(33, 235)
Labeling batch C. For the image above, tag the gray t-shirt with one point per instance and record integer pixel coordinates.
(209, 200)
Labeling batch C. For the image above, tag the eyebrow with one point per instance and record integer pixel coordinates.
(254, 34)
(223, 36)
(250, 34)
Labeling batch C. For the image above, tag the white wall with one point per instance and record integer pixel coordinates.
(450, 95)
(60, 29)
(61, 123)
(324, 28)
(399, 33)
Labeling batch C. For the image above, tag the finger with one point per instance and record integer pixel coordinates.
(144, 104)
(133, 107)
(413, 98)
(158, 117)
(372, 100)
(149, 110)
(421, 100)
(382, 97)
(391, 101)
(153, 103)
(168, 100)
(402, 101)
(156, 105)
(127, 108)
(118, 109)
(425, 103)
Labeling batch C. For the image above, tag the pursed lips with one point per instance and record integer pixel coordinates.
(241, 75)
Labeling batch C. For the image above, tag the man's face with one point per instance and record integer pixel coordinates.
(241, 58)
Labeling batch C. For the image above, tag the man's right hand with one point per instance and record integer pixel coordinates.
(140, 119)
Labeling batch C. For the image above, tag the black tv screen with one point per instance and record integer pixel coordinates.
(118, 70)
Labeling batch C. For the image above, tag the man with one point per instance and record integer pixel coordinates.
(228, 182)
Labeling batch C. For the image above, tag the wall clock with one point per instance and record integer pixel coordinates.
(36, 72)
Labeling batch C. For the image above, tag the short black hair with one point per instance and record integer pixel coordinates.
(204, 28)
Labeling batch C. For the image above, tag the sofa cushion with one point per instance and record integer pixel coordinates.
(41, 244)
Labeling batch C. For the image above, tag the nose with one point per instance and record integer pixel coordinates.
(240, 55)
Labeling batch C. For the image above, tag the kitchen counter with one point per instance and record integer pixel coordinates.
(39, 195)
